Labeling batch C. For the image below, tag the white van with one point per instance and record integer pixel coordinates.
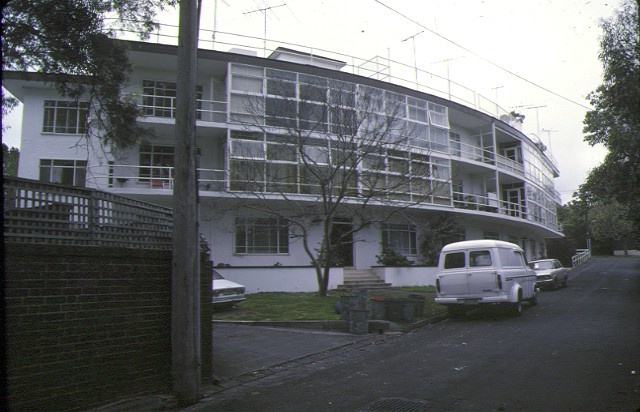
(483, 272)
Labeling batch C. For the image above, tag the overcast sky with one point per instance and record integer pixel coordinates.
(528, 53)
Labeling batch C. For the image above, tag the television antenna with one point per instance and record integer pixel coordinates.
(415, 62)
(264, 12)
(548, 132)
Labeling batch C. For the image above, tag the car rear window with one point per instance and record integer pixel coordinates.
(454, 260)
(480, 258)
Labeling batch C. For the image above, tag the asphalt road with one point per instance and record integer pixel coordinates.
(578, 350)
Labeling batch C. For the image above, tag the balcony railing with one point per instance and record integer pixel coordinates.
(510, 165)
(152, 177)
(472, 152)
(133, 177)
(489, 202)
(206, 110)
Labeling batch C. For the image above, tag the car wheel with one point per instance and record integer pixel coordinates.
(564, 283)
(534, 300)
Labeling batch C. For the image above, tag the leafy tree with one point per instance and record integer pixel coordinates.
(335, 138)
(615, 119)
(73, 43)
(10, 158)
(610, 224)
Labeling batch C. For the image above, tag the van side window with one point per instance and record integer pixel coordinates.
(511, 258)
(454, 260)
(480, 258)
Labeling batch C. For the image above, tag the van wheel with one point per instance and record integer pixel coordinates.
(516, 308)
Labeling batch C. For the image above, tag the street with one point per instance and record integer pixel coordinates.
(578, 349)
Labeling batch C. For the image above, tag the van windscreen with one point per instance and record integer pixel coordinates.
(454, 260)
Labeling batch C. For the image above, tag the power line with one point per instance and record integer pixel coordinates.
(483, 58)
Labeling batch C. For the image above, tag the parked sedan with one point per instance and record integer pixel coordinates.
(226, 292)
(550, 273)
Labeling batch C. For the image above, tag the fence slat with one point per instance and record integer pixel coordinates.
(38, 212)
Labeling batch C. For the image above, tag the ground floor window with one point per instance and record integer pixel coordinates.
(402, 239)
(64, 172)
(261, 236)
(491, 235)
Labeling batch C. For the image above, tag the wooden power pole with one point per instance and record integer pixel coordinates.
(185, 287)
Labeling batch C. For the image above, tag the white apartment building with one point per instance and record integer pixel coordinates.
(480, 170)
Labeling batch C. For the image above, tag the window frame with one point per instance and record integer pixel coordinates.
(78, 169)
(248, 231)
(408, 246)
(52, 113)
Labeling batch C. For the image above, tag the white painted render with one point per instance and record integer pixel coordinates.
(218, 209)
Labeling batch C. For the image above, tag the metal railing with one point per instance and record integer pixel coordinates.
(38, 212)
(122, 176)
(582, 256)
(206, 110)
(489, 202)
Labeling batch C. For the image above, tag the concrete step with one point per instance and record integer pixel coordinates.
(361, 279)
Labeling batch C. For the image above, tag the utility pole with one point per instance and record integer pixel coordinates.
(185, 280)
(264, 12)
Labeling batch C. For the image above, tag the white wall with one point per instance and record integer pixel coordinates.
(36, 145)
(407, 276)
(280, 279)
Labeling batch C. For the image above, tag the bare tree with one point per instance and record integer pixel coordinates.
(331, 157)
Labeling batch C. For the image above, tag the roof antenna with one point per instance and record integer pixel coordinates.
(264, 12)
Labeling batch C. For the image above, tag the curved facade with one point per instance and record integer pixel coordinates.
(270, 131)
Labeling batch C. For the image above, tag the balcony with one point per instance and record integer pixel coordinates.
(510, 166)
(211, 111)
(152, 177)
(472, 152)
(489, 202)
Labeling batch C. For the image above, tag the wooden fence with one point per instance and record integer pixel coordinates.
(38, 212)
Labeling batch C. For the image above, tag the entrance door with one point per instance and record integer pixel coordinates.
(342, 239)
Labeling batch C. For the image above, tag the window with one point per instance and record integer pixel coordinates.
(64, 172)
(417, 109)
(439, 139)
(313, 89)
(156, 161)
(454, 260)
(454, 143)
(480, 258)
(65, 117)
(159, 99)
(490, 235)
(401, 239)
(438, 115)
(247, 78)
(261, 236)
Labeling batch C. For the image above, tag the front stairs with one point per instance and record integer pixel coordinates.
(361, 279)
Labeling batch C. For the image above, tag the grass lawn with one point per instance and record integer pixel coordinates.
(282, 306)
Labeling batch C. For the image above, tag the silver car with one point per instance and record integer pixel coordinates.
(226, 292)
(550, 273)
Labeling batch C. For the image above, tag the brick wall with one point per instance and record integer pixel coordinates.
(86, 326)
